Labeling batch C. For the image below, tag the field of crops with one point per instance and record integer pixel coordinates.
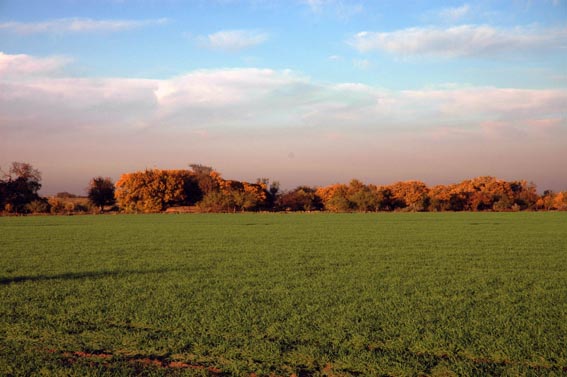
(282, 294)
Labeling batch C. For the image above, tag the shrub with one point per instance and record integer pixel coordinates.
(57, 206)
(38, 206)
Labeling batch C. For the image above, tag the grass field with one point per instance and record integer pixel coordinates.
(304, 294)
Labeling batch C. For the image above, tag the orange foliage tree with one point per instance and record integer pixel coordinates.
(335, 197)
(356, 196)
(410, 195)
(232, 196)
(560, 201)
(155, 190)
(483, 193)
(552, 201)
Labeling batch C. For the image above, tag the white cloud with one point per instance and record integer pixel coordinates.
(490, 103)
(454, 14)
(21, 64)
(77, 25)
(458, 41)
(233, 40)
(32, 98)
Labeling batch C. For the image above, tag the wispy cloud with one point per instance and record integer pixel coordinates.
(341, 9)
(453, 14)
(461, 41)
(78, 25)
(348, 10)
(233, 40)
(315, 5)
(361, 63)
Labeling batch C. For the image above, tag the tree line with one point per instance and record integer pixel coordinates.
(202, 189)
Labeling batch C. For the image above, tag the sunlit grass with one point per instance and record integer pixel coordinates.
(311, 294)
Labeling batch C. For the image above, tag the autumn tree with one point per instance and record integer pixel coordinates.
(302, 198)
(155, 190)
(439, 198)
(101, 192)
(449, 198)
(524, 194)
(363, 198)
(335, 197)
(206, 177)
(545, 202)
(560, 201)
(410, 195)
(552, 201)
(233, 196)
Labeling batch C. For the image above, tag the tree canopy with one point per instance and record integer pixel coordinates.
(204, 189)
(101, 192)
(19, 187)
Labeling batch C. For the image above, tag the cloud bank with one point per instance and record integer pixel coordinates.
(250, 97)
(25, 65)
(252, 118)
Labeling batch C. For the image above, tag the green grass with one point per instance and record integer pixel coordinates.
(310, 294)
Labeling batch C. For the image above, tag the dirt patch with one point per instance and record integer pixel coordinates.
(148, 362)
(103, 358)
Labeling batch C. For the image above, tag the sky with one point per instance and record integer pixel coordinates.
(305, 92)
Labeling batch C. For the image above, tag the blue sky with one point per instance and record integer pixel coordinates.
(306, 92)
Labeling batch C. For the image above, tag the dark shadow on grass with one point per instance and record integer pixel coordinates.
(83, 275)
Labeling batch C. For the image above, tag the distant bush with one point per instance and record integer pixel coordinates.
(84, 208)
(67, 206)
(65, 195)
(57, 206)
(213, 201)
(38, 206)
